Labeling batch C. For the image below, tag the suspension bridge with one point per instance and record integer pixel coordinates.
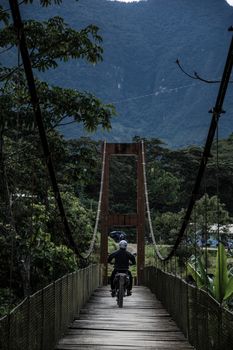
(77, 311)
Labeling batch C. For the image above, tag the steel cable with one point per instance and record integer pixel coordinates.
(216, 113)
(19, 28)
(147, 204)
(92, 244)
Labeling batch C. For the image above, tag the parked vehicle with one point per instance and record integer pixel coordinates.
(211, 242)
(117, 235)
(230, 244)
(201, 242)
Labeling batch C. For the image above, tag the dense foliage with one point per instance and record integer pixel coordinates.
(33, 248)
(220, 286)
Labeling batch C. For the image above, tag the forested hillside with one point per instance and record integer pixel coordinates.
(141, 43)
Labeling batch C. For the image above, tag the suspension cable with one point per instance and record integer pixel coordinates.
(18, 24)
(151, 231)
(216, 113)
(92, 244)
(217, 186)
(218, 234)
(11, 215)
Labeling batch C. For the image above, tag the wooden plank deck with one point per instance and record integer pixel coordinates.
(141, 324)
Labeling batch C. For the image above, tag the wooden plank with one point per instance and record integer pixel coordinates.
(129, 334)
(122, 220)
(144, 344)
(141, 324)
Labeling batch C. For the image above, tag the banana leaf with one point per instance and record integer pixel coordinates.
(229, 289)
(221, 274)
(200, 276)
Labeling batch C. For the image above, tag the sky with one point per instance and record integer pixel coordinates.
(230, 2)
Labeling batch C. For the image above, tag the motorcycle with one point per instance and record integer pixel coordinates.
(121, 283)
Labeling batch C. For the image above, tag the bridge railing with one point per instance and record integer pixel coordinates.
(41, 319)
(206, 324)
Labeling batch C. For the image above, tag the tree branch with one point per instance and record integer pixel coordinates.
(196, 76)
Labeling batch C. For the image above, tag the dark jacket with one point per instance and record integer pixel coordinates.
(122, 258)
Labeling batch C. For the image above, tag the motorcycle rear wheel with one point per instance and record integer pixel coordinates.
(120, 295)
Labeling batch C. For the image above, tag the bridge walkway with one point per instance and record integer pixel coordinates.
(142, 323)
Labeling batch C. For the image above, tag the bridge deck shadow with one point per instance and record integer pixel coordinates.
(142, 323)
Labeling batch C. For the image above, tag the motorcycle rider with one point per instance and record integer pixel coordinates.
(122, 258)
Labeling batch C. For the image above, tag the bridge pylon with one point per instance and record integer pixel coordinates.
(136, 220)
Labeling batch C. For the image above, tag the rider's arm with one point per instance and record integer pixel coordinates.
(111, 256)
(132, 259)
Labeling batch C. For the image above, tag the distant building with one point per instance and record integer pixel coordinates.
(223, 229)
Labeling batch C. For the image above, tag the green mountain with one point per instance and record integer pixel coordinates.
(141, 43)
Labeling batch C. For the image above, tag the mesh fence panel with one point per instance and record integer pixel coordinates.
(93, 277)
(19, 320)
(49, 317)
(89, 281)
(74, 306)
(4, 326)
(39, 321)
(213, 321)
(69, 298)
(76, 292)
(80, 289)
(182, 310)
(85, 286)
(226, 330)
(96, 275)
(36, 321)
(193, 314)
(64, 294)
(58, 308)
(207, 324)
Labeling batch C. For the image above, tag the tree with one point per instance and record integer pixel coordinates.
(163, 188)
(209, 211)
(167, 226)
(81, 167)
(37, 257)
(220, 170)
(123, 188)
(24, 186)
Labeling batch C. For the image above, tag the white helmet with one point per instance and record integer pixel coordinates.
(123, 244)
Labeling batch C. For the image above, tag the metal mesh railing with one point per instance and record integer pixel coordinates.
(206, 324)
(40, 320)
